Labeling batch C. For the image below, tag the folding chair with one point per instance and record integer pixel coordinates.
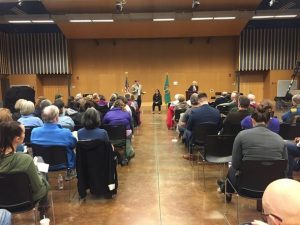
(253, 178)
(218, 150)
(28, 130)
(16, 194)
(55, 156)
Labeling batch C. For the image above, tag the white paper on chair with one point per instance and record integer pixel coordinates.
(43, 167)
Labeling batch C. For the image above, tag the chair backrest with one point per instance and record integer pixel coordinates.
(177, 114)
(219, 145)
(256, 175)
(16, 192)
(52, 155)
(289, 131)
(223, 109)
(232, 129)
(202, 130)
(115, 132)
(28, 130)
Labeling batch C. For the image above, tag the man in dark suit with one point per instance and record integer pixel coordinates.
(203, 114)
(193, 88)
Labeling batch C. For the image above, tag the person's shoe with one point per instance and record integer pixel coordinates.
(71, 173)
(190, 157)
(228, 198)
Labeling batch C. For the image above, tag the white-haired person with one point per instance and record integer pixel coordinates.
(194, 87)
(291, 115)
(27, 117)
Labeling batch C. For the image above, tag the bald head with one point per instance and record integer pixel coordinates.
(282, 199)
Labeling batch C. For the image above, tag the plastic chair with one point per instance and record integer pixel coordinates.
(253, 178)
(218, 150)
(16, 194)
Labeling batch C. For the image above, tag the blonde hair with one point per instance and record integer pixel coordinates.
(119, 103)
(5, 115)
(19, 103)
(27, 107)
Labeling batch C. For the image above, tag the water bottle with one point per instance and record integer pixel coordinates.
(60, 182)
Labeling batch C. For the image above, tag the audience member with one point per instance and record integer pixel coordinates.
(293, 152)
(38, 110)
(91, 122)
(16, 114)
(258, 143)
(27, 117)
(251, 97)
(5, 115)
(273, 124)
(58, 96)
(232, 122)
(222, 99)
(181, 103)
(63, 120)
(12, 134)
(281, 203)
(102, 101)
(52, 134)
(112, 99)
(157, 101)
(294, 112)
(202, 114)
(119, 116)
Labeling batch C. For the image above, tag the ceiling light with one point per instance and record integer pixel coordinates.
(285, 16)
(19, 21)
(163, 19)
(225, 18)
(262, 17)
(42, 21)
(103, 21)
(120, 5)
(202, 18)
(80, 21)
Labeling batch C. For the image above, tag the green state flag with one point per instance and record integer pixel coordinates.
(167, 91)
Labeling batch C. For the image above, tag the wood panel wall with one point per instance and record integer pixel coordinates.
(101, 66)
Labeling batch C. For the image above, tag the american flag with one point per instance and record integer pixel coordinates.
(126, 89)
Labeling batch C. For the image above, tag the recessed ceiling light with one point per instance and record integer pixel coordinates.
(42, 21)
(163, 19)
(19, 21)
(285, 16)
(262, 17)
(80, 21)
(225, 18)
(202, 18)
(103, 21)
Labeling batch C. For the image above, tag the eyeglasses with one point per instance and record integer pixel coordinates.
(265, 215)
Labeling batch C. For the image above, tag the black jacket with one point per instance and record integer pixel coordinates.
(96, 168)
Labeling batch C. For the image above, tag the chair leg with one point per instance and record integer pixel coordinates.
(203, 174)
(237, 209)
(226, 209)
(52, 206)
(34, 213)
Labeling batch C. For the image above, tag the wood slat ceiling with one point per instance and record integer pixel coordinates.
(149, 29)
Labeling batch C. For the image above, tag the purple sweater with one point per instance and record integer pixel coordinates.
(117, 117)
(273, 124)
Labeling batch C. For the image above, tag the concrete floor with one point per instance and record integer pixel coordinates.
(158, 187)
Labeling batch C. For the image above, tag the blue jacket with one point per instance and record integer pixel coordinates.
(288, 117)
(53, 134)
(116, 116)
(203, 114)
(30, 121)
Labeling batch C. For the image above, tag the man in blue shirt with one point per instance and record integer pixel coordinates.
(53, 134)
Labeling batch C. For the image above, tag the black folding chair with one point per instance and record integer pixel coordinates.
(253, 178)
(218, 150)
(55, 156)
(199, 133)
(28, 130)
(117, 136)
(16, 194)
(289, 131)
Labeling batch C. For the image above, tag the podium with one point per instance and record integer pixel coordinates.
(188, 94)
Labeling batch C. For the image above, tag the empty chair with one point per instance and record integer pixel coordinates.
(96, 168)
(253, 178)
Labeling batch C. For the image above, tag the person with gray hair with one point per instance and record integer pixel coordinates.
(27, 117)
(294, 112)
(53, 134)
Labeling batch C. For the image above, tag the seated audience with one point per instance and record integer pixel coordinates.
(119, 116)
(222, 99)
(91, 123)
(38, 110)
(290, 116)
(157, 101)
(258, 143)
(293, 152)
(102, 101)
(27, 117)
(63, 120)
(52, 134)
(72, 111)
(43, 104)
(203, 114)
(12, 134)
(112, 99)
(5, 115)
(16, 114)
(273, 124)
(232, 122)
(181, 103)
(281, 203)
